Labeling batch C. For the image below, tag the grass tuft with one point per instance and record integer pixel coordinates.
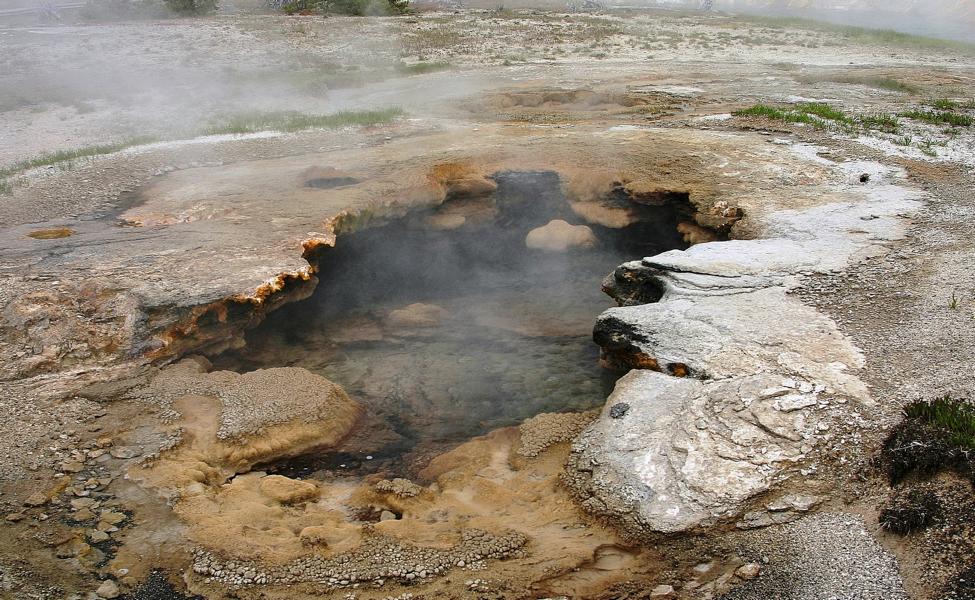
(816, 114)
(940, 117)
(289, 121)
(422, 68)
(61, 156)
(945, 104)
(822, 110)
(954, 416)
(933, 436)
(910, 511)
(882, 83)
(883, 122)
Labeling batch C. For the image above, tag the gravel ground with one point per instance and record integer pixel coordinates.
(918, 342)
(827, 556)
(911, 313)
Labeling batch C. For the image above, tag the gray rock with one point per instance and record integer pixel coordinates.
(125, 452)
(694, 451)
(618, 410)
(748, 571)
(108, 589)
(659, 470)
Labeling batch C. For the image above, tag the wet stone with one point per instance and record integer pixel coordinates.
(618, 410)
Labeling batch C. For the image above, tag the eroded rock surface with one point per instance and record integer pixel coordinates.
(740, 375)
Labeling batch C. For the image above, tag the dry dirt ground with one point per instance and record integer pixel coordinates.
(127, 468)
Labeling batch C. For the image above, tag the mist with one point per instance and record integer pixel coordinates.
(950, 19)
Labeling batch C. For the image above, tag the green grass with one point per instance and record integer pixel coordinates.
(61, 156)
(956, 417)
(874, 81)
(945, 104)
(883, 122)
(940, 117)
(289, 121)
(824, 111)
(421, 68)
(887, 83)
(776, 114)
(237, 124)
(819, 115)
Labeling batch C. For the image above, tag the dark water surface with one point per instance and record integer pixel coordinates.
(504, 332)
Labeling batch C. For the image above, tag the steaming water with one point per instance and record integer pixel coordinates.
(505, 331)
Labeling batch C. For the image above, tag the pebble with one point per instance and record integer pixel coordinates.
(97, 536)
(79, 503)
(618, 410)
(37, 499)
(72, 467)
(108, 589)
(125, 452)
(748, 571)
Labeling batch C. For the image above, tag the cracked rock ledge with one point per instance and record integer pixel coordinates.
(761, 377)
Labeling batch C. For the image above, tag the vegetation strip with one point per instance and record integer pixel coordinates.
(286, 121)
(820, 115)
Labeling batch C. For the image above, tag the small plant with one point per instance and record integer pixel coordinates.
(819, 115)
(953, 303)
(290, 121)
(904, 141)
(957, 417)
(927, 148)
(945, 104)
(822, 110)
(940, 117)
(356, 8)
(6, 188)
(422, 68)
(911, 511)
(883, 122)
(192, 7)
(502, 12)
(933, 436)
(68, 156)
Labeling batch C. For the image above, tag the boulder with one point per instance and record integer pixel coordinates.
(559, 236)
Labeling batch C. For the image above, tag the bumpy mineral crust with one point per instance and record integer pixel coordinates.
(750, 379)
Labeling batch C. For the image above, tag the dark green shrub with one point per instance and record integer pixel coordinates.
(346, 7)
(961, 587)
(911, 511)
(192, 7)
(933, 436)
